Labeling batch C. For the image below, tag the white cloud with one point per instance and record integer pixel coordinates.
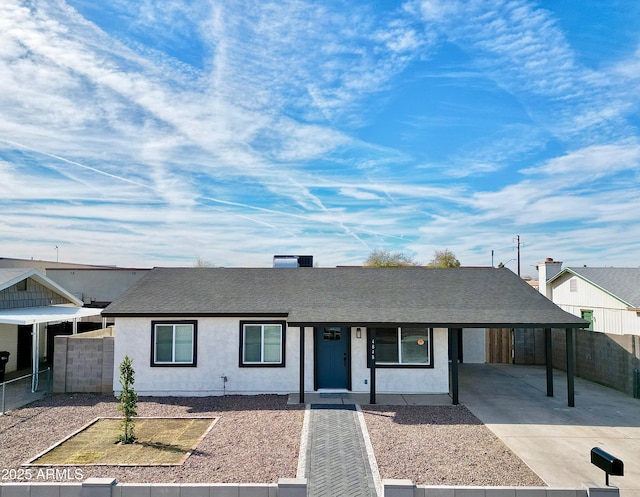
(592, 162)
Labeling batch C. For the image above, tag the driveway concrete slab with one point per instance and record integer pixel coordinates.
(553, 439)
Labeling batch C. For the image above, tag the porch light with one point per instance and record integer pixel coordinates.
(358, 333)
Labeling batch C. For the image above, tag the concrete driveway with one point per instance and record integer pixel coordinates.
(553, 439)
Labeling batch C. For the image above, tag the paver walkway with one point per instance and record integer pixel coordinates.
(337, 463)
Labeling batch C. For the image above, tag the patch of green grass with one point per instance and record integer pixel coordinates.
(160, 441)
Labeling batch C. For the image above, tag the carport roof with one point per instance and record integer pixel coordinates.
(454, 298)
(47, 314)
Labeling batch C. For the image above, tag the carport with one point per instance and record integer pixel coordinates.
(454, 299)
(36, 316)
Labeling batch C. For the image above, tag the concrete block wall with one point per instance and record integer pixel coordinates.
(83, 364)
(286, 487)
(529, 346)
(108, 487)
(406, 488)
(600, 357)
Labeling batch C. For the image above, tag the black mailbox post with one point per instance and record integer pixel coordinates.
(606, 462)
(4, 359)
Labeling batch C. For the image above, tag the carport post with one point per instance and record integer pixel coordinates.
(548, 359)
(453, 344)
(35, 356)
(301, 398)
(571, 367)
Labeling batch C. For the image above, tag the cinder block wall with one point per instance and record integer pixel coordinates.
(529, 346)
(602, 358)
(83, 364)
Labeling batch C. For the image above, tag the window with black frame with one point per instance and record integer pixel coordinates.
(262, 343)
(403, 347)
(173, 343)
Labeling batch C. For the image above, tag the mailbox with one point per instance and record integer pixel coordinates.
(606, 462)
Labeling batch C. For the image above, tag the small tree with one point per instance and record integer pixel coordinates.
(128, 401)
(384, 258)
(445, 259)
(200, 262)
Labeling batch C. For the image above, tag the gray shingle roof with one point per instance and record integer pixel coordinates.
(621, 282)
(461, 297)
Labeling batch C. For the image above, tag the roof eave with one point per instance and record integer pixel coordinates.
(165, 314)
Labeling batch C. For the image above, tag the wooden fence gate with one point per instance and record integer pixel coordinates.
(500, 345)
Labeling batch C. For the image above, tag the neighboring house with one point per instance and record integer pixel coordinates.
(210, 331)
(607, 297)
(29, 301)
(94, 285)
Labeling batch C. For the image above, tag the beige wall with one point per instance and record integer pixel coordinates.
(9, 342)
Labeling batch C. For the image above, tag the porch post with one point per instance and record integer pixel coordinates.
(372, 366)
(74, 326)
(571, 367)
(35, 353)
(301, 398)
(453, 344)
(548, 359)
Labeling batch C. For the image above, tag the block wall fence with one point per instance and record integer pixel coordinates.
(84, 363)
(286, 487)
(603, 358)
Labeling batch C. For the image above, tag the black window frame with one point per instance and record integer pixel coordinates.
(283, 343)
(193, 363)
(387, 365)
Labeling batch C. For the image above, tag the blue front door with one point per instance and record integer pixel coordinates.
(332, 357)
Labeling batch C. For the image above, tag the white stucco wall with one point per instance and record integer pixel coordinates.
(218, 356)
(9, 342)
(402, 380)
(474, 345)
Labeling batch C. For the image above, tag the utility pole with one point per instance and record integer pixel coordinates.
(518, 247)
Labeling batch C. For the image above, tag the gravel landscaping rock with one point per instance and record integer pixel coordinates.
(442, 445)
(257, 440)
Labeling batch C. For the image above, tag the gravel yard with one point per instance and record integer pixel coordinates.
(442, 445)
(257, 440)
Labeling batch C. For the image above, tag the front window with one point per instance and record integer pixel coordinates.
(173, 343)
(262, 344)
(403, 347)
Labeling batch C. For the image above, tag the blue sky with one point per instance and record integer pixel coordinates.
(157, 132)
